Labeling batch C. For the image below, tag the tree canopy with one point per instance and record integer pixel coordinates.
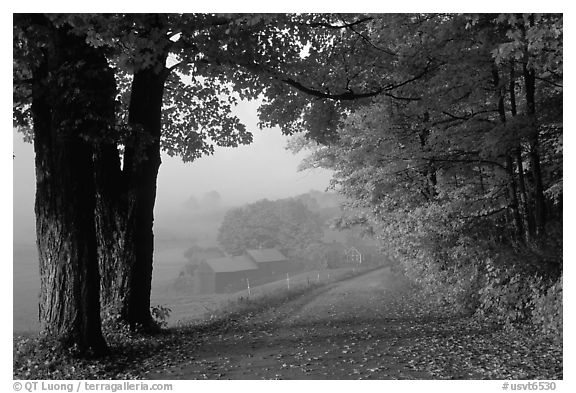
(286, 224)
(461, 179)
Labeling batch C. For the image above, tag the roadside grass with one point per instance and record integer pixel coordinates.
(131, 355)
(271, 295)
(188, 306)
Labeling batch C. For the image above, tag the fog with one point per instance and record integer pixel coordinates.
(240, 175)
(186, 206)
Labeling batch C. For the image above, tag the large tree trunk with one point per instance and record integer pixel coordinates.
(429, 171)
(539, 201)
(525, 208)
(527, 222)
(141, 164)
(73, 102)
(511, 182)
(127, 196)
(514, 205)
(111, 228)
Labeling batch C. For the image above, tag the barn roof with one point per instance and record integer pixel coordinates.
(231, 264)
(264, 255)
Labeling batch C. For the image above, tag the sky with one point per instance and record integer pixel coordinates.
(264, 169)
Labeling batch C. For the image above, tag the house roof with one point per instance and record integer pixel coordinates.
(231, 264)
(264, 255)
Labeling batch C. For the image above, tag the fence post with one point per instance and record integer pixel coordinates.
(248, 283)
(288, 280)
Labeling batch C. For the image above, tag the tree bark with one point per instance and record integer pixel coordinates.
(525, 208)
(131, 247)
(111, 229)
(69, 111)
(527, 222)
(539, 201)
(429, 172)
(512, 189)
(514, 205)
(512, 89)
(127, 195)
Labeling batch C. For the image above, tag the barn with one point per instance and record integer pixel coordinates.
(229, 274)
(222, 275)
(271, 262)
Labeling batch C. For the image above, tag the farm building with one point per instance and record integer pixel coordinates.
(340, 255)
(221, 275)
(229, 274)
(271, 262)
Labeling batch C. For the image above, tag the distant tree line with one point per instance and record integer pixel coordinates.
(286, 224)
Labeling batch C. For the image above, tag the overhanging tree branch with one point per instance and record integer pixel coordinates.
(346, 96)
(410, 80)
(486, 214)
(549, 82)
(471, 161)
(345, 25)
(222, 60)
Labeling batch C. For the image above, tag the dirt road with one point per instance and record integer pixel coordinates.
(339, 331)
(360, 328)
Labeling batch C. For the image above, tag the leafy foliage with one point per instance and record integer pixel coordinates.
(161, 314)
(214, 60)
(547, 313)
(285, 224)
(453, 169)
(507, 295)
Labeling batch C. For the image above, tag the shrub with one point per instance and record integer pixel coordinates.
(114, 329)
(516, 294)
(506, 296)
(161, 315)
(547, 312)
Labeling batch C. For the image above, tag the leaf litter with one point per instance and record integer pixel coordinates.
(385, 333)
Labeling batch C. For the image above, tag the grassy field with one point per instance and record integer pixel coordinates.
(169, 259)
(26, 288)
